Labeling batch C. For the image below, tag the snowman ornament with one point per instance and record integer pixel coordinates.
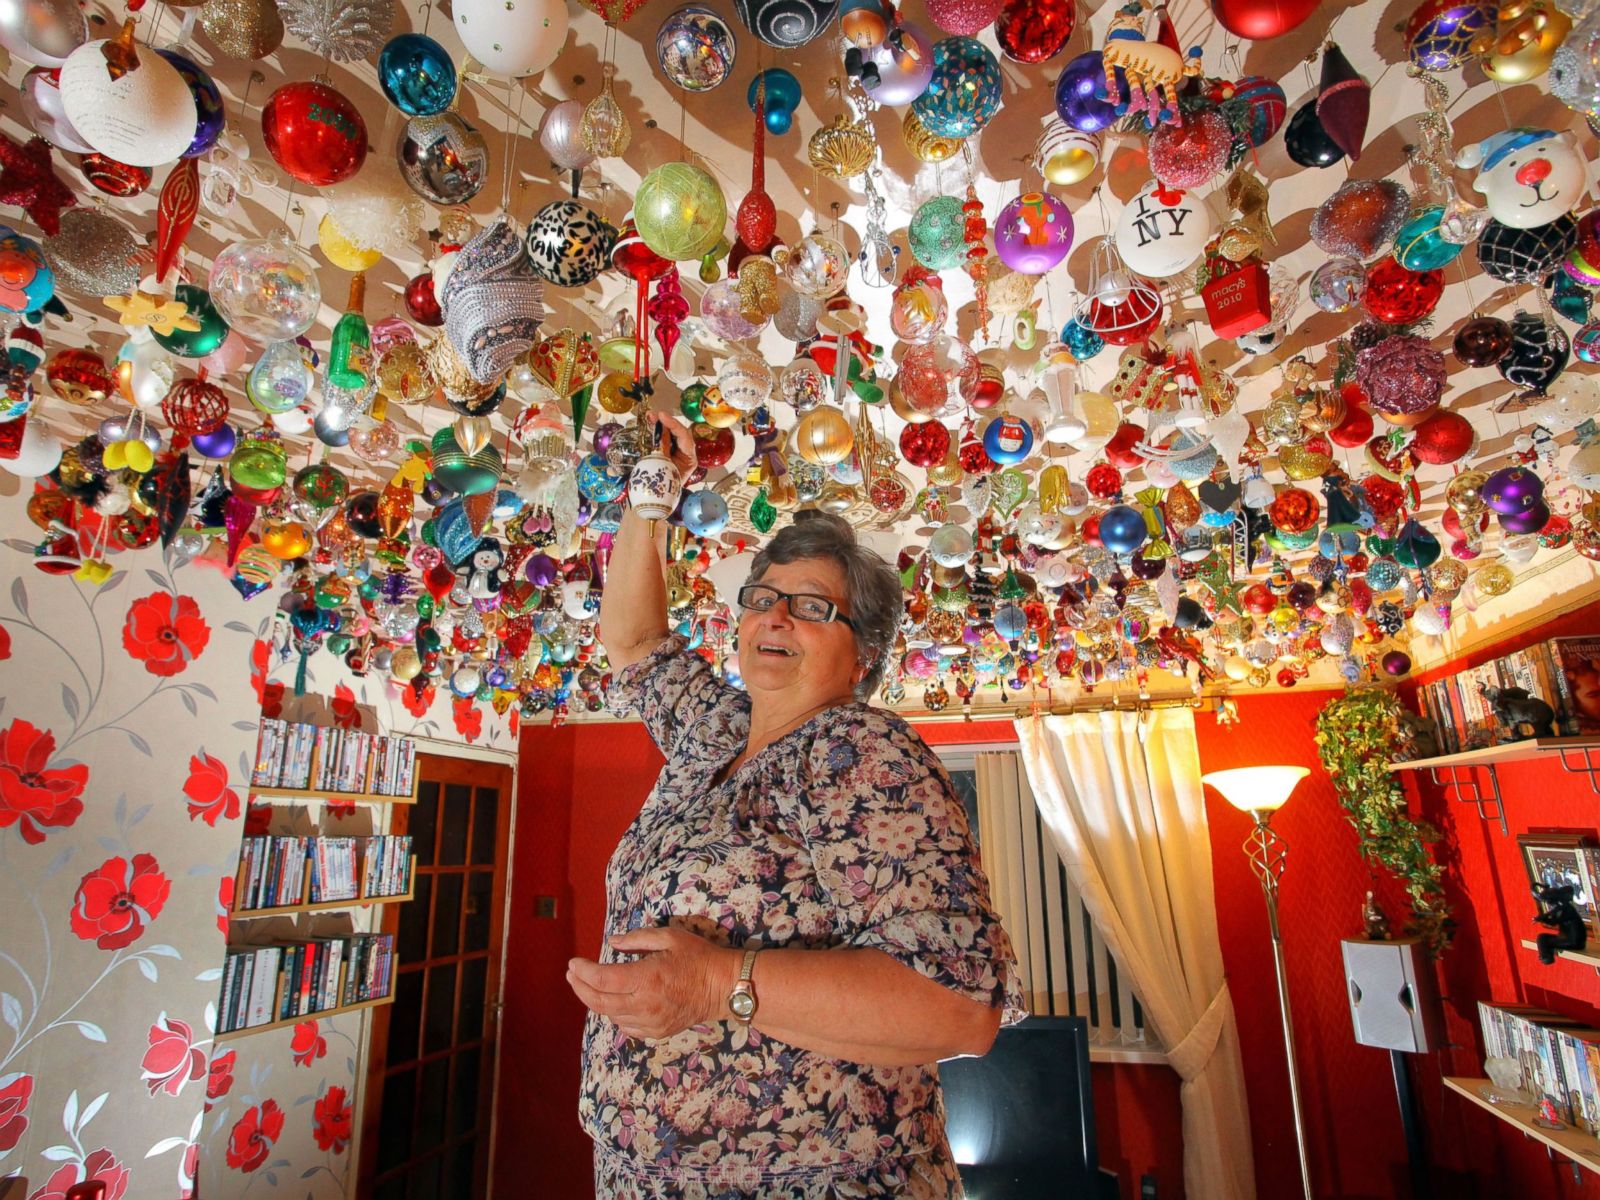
(1527, 177)
(483, 570)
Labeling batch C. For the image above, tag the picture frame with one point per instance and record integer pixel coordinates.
(1571, 857)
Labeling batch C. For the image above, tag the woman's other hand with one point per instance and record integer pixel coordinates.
(680, 438)
(682, 980)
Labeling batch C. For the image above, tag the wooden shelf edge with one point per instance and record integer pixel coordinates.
(336, 797)
(311, 1016)
(1571, 1143)
(285, 910)
(1505, 752)
(1588, 957)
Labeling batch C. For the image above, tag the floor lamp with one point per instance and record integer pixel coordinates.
(1262, 791)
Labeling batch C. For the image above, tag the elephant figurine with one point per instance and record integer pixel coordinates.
(1516, 710)
(1153, 69)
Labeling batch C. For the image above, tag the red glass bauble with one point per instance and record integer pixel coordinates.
(1444, 437)
(1397, 296)
(1354, 430)
(974, 459)
(1120, 449)
(1103, 481)
(112, 177)
(1384, 496)
(1261, 19)
(1258, 599)
(1031, 31)
(1557, 532)
(924, 444)
(964, 17)
(713, 447)
(1189, 153)
(1294, 511)
(421, 304)
(636, 260)
(1129, 323)
(193, 407)
(1091, 530)
(314, 132)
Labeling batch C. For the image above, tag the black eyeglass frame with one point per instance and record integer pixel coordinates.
(833, 613)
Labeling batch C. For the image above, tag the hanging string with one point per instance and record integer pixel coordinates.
(513, 137)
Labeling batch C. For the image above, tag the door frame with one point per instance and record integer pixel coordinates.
(449, 763)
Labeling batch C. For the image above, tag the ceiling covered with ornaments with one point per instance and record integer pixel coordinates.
(1338, 384)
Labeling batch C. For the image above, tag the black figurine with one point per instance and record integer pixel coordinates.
(1374, 921)
(1520, 714)
(1559, 913)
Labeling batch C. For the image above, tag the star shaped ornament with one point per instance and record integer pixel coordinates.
(28, 181)
(160, 314)
(1214, 573)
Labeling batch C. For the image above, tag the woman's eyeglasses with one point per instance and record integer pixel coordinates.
(803, 606)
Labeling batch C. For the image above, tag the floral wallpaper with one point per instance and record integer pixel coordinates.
(126, 724)
(127, 730)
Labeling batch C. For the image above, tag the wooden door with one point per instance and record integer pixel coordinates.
(430, 1080)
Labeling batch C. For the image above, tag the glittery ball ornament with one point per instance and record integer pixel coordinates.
(1525, 255)
(937, 234)
(924, 444)
(1264, 103)
(93, 255)
(243, 29)
(1440, 34)
(1361, 218)
(493, 301)
(1189, 154)
(1338, 284)
(965, 17)
(343, 30)
(1402, 374)
(1032, 31)
(1443, 438)
(964, 91)
(925, 145)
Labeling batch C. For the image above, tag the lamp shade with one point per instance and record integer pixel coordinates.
(1256, 789)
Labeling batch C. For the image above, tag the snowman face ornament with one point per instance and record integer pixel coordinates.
(1527, 177)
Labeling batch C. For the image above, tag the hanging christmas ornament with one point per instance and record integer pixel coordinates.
(1033, 233)
(1361, 219)
(1343, 100)
(244, 29)
(604, 129)
(1261, 19)
(1420, 244)
(785, 24)
(1517, 255)
(695, 49)
(569, 243)
(512, 37)
(935, 233)
(175, 214)
(46, 114)
(679, 211)
(1307, 142)
(1163, 230)
(142, 115)
(417, 75)
(443, 158)
(1527, 177)
(266, 288)
(45, 32)
(1440, 34)
(1190, 153)
(1338, 285)
(209, 116)
(209, 330)
(1034, 31)
(1063, 155)
(964, 92)
(1537, 356)
(1397, 296)
(1402, 375)
(314, 132)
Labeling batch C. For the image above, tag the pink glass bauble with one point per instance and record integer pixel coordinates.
(1190, 154)
(964, 17)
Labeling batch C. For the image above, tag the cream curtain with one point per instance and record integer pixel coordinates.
(1120, 793)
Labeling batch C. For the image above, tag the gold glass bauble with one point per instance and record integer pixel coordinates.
(1281, 420)
(928, 147)
(948, 473)
(1531, 31)
(1494, 579)
(403, 374)
(824, 436)
(1464, 493)
(609, 392)
(1300, 464)
(843, 149)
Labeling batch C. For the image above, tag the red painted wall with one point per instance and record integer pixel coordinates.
(580, 786)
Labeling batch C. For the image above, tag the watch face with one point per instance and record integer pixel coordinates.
(743, 1005)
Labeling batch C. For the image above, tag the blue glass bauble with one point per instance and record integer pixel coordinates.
(1419, 246)
(1122, 529)
(416, 75)
(1078, 92)
(1008, 439)
(964, 91)
(1084, 342)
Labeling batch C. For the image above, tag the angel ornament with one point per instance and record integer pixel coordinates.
(1153, 69)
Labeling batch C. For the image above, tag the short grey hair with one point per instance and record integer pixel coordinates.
(872, 586)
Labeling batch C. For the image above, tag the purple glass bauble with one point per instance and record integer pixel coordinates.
(541, 570)
(1513, 490)
(1531, 521)
(219, 443)
(1082, 81)
(1396, 663)
(603, 435)
(1033, 233)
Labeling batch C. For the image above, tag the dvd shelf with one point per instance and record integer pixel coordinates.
(279, 873)
(277, 984)
(322, 759)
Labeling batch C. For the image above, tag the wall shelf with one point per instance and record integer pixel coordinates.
(334, 797)
(1588, 957)
(1456, 772)
(310, 1016)
(287, 910)
(1572, 1144)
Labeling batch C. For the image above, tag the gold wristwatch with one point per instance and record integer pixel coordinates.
(742, 1000)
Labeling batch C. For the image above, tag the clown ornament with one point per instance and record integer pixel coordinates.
(1527, 177)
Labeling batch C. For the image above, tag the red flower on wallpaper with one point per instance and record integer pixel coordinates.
(219, 1076)
(416, 705)
(14, 1099)
(331, 1118)
(5, 643)
(224, 903)
(210, 797)
(469, 718)
(32, 795)
(101, 1164)
(250, 1140)
(165, 632)
(514, 722)
(116, 901)
(345, 714)
(171, 1061)
(258, 820)
(308, 1045)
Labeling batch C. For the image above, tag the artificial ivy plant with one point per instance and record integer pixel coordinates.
(1357, 736)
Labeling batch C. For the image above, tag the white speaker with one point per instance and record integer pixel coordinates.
(1394, 998)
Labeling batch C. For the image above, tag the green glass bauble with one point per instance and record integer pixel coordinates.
(679, 211)
(463, 473)
(1420, 246)
(200, 342)
(258, 463)
(938, 234)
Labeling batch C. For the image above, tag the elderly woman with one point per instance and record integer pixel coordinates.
(798, 927)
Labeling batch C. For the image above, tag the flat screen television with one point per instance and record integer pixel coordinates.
(1021, 1118)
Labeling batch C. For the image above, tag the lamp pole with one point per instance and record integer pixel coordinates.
(1269, 855)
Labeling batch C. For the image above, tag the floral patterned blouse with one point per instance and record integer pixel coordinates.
(844, 832)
